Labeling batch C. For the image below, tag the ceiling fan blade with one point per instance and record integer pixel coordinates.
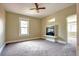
(36, 6)
(41, 8)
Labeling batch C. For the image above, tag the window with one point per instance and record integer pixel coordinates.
(72, 27)
(72, 23)
(23, 27)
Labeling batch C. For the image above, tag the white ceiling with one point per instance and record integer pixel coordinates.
(24, 8)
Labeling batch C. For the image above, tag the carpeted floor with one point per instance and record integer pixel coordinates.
(38, 48)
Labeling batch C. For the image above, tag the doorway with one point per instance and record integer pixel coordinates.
(72, 30)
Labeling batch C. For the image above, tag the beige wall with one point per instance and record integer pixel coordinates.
(2, 26)
(60, 21)
(78, 23)
(77, 29)
(12, 31)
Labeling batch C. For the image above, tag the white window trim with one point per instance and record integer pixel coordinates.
(24, 19)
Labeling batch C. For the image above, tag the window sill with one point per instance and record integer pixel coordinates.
(24, 35)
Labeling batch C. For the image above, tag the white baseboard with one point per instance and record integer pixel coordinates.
(28, 39)
(20, 40)
(1, 48)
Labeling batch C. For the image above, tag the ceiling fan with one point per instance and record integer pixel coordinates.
(37, 8)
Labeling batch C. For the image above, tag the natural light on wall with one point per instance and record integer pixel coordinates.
(24, 27)
(52, 20)
(1, 26)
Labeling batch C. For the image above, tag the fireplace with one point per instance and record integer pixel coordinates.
(50, 31)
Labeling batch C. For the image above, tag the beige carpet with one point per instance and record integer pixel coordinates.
(38, 48)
